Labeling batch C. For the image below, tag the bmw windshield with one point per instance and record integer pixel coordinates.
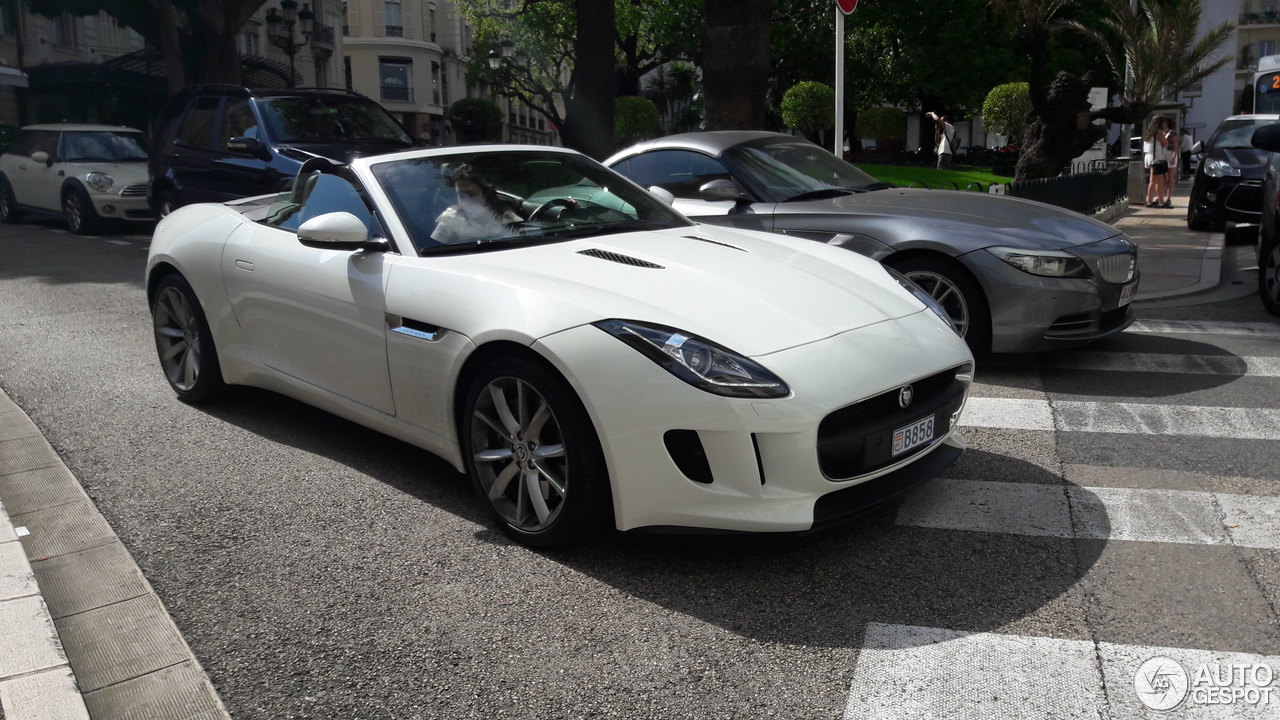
(488, 200)
(785, 170)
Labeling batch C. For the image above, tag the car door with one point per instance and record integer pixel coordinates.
(683, 173)
(235, 173)
(193, 149)
(36, 184)
(316, 315)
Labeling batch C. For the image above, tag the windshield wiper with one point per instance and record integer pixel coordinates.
(819, 194)
(574, 231)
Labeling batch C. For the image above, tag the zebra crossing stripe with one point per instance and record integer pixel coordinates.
(1125, 418)
(905, 671)
(1194, 327)
(1227, 365)
(1139, 515)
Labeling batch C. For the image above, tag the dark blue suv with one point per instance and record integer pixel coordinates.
(219, 143)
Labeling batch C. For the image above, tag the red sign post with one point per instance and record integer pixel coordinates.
(847, 6)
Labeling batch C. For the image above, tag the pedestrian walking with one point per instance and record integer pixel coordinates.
(1155, 157)
(1185, 142)
(944, 140)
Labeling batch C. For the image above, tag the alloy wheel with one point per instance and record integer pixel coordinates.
(948, 295)
(73, 211)
(519, 454)
(177, 338)
(1271, 276)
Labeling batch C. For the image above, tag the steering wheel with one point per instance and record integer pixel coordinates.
(546, 207)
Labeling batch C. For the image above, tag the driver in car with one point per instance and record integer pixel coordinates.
(477, 214)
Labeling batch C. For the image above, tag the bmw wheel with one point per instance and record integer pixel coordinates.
(957, 292)
(184, 343)
(533, 454)
(78, 211)
(1269, 273)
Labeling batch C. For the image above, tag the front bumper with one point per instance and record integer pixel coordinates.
(762, 457)
(1032, 313)
(1227, 199)
(128, 203)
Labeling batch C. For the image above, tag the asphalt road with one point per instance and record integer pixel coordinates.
(320, 570)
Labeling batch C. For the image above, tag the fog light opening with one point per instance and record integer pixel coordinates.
(685, 449)
(108, 209)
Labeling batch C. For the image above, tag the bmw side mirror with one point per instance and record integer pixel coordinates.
(247, 145)
(338, 231)
(720, 191)
(1267, 138)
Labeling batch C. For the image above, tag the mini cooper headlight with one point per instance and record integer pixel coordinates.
(701, 363)
(99, 181)
(1047, 263)
(924, 297)
(1220, 168)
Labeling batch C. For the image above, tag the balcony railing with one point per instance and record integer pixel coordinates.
(395, 92)
(1260, 18)
(395, 31)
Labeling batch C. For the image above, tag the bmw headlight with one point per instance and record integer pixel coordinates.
(1047, 263)
(1220, 168)
(701, 363)
(924, 297)
(99, 181)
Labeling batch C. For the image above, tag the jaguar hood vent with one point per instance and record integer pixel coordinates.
(716, 242)
(619, 258)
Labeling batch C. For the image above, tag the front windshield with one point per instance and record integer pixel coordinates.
(102, 146)
(328, 119)
(1237, 133)
(790, 169)
(468, 200)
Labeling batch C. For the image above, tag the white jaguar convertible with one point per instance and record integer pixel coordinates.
(588, 356)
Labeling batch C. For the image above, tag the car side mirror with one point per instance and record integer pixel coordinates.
(720, 191)
(1197, 148)
(662, 194)
(338, 231)
(40, 156)
(1267, 138)
(247, 145)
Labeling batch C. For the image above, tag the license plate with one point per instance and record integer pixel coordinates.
(1126, 294)
(917, 433)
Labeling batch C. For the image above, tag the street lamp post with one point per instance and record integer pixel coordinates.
(280, 25)
(501, 60)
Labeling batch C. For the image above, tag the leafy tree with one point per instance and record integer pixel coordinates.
(1005, 110)
(735, 63)
(196, 37)
(634, 119)
(887, 125)
(476, 120)
(809, 107)
(673, 89)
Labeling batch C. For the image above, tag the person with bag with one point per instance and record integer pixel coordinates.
(944, 140)
(1155, 157)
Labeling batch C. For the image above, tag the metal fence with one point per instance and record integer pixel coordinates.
(1088, 188)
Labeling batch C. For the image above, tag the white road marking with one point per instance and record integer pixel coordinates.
(1228, 365)
(905, 671)
(1192, 327)
(1125, 418)
(1140, 515)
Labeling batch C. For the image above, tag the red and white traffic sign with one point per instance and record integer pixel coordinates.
(846, 6)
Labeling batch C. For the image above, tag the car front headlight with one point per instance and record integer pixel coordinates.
(1220, 168)
(99, 181)
(1046, 263)
(699, 362)
(924, 297)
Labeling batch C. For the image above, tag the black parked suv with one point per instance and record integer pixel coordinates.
(218, 143)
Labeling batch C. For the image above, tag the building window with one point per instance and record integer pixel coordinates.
(431, 23)
(346, 71)
(435, 83)
(395, 27)
(1266, 47)
(64, 30)
(395, 77)
(248, 42)
(8, 21)
(444, 88)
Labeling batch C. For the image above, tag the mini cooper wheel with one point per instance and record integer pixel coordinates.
(9, 212)
(184, 343)
(958, 294)
(533, 454)
(1269, 274)
(78, 211)
(165, 204)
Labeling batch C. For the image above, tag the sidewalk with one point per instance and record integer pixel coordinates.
(82, 634)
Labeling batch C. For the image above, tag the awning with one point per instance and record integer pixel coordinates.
(12, 76)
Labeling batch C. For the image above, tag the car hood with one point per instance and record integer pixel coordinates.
(343, 152)
(969, 219)
(752, 292)
(1251, 162)
(122, 174)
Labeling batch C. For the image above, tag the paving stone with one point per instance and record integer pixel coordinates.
(93, 578)
(180, 692)
(121, 642)
(63, 529)
(49, 695)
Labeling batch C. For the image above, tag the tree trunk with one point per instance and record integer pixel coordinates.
(170, 44)
(735, 63)
(588, 124)
(1060, 132)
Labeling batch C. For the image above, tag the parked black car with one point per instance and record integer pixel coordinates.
(1228, 182)
(218, 143)
(1267, 139)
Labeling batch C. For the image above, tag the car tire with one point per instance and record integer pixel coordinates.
(165, 203)
(184, 343)
(1195, 220)
(1269, 273)
(9, 212)
(533, 454)
(78, 211)
(958, 293)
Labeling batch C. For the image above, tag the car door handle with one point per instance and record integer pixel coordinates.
(244, 265)
(22, 167)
